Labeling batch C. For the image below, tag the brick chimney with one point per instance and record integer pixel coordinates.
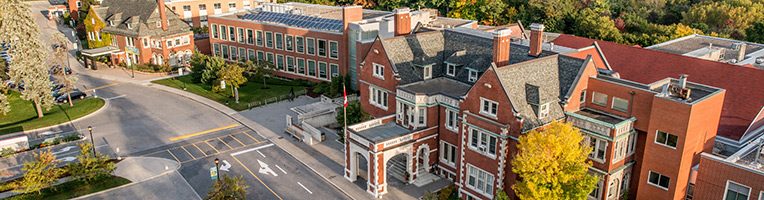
(351, 14)
(402, 21)
(536, 42)
(162, 14)
(501, 46)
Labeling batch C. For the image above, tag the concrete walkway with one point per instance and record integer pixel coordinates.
(152, 178)
(321, 167)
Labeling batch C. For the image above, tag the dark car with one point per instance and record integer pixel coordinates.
(76, 94)
(56, 69)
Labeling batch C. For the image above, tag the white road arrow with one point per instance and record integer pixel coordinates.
(65, 149)
(68, 159)
(225, 166)
(264, 169)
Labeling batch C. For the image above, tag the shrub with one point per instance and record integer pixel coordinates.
(152, 68)
(5, 152)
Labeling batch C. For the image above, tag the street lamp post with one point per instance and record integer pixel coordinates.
(92, 142)
(217, 168)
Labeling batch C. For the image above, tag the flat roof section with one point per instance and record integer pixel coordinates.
(600, 116)
(383, 132)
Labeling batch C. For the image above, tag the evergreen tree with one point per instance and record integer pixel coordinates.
(552, 164)
(18, 29)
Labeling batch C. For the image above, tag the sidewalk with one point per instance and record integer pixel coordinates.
(320, 167)
(152, 178)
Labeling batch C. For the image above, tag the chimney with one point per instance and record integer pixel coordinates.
(501, 43)
(402, 21)
(351, 14)
(741, 51)
(683, 81)
(162, 14)
(536, 42)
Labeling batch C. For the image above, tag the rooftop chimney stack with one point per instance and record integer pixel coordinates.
(683, 81)
(741, 51)
(402, 21)
(537, 41)
(162, 14)
(501, 46)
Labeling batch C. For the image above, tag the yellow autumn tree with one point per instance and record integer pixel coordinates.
(552, 164)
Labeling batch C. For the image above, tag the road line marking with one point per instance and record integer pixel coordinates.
(213, 148)
(103, 86)
(200, 149)
(189, 153)
(258, 178)
(229, 146)
(173, 155)
(250, 136)
(237, 140)
(303, 187)
(117, 97)
(282, 170)
(176, 138)
(261, 153)
(252, 149)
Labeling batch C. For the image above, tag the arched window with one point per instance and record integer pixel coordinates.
(612, 189)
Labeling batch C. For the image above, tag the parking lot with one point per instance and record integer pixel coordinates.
(188, 151)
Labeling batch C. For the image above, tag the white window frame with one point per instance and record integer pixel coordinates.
(262, 38)
(543, 111)
(379, 71)
(488, 181)
(761, 195)
(598, 189)
(582, 99)
(659, 180)
(297, 46)
(450, 69)
(307, 49)
(247, 37)
(447, 151)
(483, 102)
(727, 189)
(266, 38)
(287, 45)
(613, 104)
(667, 139)
(595, 95)
(378, 97)
(598, 144)
(470, 77)
(427, 72)
(452, 116)
(276, 37)
(329, 51)
(318, 48)
(486, 150)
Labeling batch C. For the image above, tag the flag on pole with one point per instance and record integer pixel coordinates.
(345, 94)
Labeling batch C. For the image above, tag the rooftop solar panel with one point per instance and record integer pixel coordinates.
(301, 21)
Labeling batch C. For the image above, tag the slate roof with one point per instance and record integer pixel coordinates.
(546, 80)
(142, 15)
(744, 97)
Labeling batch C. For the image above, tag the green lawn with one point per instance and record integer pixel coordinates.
(73, 189)
(252, 92)
(24, 117)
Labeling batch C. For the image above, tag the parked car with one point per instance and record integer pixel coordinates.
(55, 69)
(76, 94)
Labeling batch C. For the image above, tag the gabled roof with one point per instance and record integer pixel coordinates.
(142, 15)
(745, 86)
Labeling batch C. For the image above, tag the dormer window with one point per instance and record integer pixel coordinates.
(543, 111)
(159, 24)
(129, 26)
(450, 69)
(473, 76)
(427, 72)
(92, 21)
(111, 22)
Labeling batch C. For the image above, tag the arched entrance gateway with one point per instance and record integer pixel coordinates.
(394, 155)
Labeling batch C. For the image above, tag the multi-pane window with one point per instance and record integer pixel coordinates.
(599, 148)
(623, 147)
(620, 104)
(231, 5)
(311, 68)
(216, 49)
(427, 72)
(483, 142)
(447, 153)
(225, 51)
(217, 6)
(280, 62)
(473, 75)
(322, 70)
(250, 37)
(279, 41)
(260, 56)
(251, 55)
(450, 69)
(379, 71)
(300, 41)
(289, 42)
(666, 139)
(737, 191)
(659, 180)
(451, 120)
(269, 39)
(335, 70)
(259, 38)
(232, 33)
(241, 35)
(311, 46)
(543, 111)
(269, 58)
(187, 8)
(202, 7)
(488, 107)
(242, 54)
(214, 31)
(322, 48)
(377, 97)
(334, 49)
(290, 63)
(300, 66)
(599, 98)
(612, 188)
(582, 99)
(234, 53)
(422, 113)
(597, 190)
(480, 181)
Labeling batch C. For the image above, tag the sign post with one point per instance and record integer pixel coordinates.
(213, 173)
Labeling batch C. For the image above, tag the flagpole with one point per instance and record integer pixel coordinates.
(345, 112)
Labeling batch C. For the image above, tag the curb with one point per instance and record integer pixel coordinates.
(26, 132)
(251, 128)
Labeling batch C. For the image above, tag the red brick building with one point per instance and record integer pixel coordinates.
(454, 102)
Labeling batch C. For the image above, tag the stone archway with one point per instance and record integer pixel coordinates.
(396, 168)
(423, 160)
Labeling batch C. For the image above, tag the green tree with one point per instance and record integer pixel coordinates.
(501, 195)
(212, 66)
(228, 188)
(198, 63)
(39, 173)
(90, 167)
(755, 33)
(262, 70)
(552, 164)
(233, 76)
(61, 51)
(18, 29)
